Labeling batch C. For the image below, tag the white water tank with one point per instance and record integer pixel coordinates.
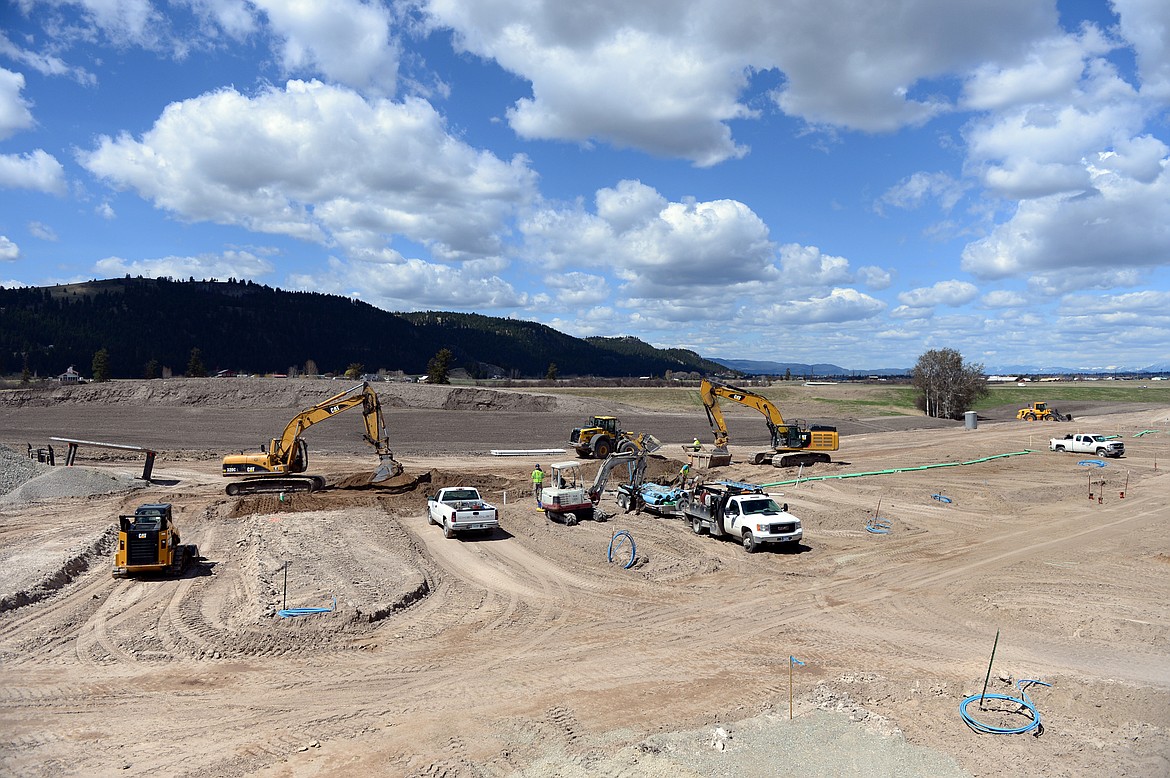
(970, 420)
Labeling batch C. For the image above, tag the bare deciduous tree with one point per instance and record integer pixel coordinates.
(946, 385)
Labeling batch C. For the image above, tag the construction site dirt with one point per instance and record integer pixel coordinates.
(526, 651)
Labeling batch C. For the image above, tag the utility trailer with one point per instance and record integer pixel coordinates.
(658, 499)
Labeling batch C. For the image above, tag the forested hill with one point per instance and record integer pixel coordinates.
(146, 324)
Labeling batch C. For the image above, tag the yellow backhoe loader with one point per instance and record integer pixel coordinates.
(276, 467)
(792, 443)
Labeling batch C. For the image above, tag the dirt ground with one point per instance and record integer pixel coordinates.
(527, 652)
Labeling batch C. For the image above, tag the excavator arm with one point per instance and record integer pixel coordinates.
(714, 415)
(636, 460)
(287, 454)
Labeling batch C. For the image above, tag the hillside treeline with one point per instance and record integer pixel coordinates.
(151, 325)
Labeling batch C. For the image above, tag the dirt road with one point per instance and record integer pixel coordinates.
(527, 653)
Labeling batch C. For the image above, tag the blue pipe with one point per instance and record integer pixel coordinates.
(1023, 701)
(293, 612)
(633, 549)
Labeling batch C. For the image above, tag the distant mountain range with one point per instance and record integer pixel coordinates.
(806, 371)
(801, 369)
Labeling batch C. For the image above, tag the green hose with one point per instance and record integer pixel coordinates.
(895, 469)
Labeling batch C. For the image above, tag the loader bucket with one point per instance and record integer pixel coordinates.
(387, 468)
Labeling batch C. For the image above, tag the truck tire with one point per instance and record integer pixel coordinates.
(430, 517)
(602, 447)
(570, 519)
(623, 501)
(696, 525)
(1102, 452)
(1059, 448)
(749, 542)
(448, 532)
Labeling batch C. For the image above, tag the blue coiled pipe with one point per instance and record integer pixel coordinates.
(614, 542)
(1023, 700)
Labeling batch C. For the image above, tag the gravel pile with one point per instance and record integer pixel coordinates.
(16, 468)
(56, 482)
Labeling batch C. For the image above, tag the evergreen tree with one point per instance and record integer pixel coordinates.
(101, 366)
(151, 370)
(551, 375)
(195, 368)
(439, 367)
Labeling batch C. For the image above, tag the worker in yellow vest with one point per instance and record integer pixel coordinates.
(537, 483)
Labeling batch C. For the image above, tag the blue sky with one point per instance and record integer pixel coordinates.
(801, 181)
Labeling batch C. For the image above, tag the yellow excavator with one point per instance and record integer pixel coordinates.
(276, 467)
(792, 443)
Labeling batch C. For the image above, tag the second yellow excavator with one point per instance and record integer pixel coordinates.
(276, 467)
(792, 443)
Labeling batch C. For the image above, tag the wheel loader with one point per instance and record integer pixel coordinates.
(1041, 412)
(603, 435)
(148, 542)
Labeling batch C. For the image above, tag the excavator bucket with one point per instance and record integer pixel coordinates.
(387, 468)
(720, 457)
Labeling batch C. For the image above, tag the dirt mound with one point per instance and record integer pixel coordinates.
(61, 482)
(17, 468)
(278, 393)
(178, 392)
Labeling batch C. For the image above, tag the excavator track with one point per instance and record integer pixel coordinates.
(269, 485)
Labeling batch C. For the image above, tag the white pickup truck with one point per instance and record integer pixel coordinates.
(461, 509)
(742, 511)
(1088, 444)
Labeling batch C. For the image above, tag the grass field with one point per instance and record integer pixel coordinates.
(863, 400)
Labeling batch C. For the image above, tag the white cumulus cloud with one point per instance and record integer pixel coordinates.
(9, 251)
(37, 170)
(952, 293)
(229, 264)
(408, 284)
(668, 78)
(345, 41)
(320, 163)
(1122, 225)
(14, 109)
